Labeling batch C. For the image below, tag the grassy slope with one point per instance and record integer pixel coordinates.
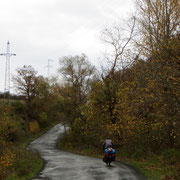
(28, 163)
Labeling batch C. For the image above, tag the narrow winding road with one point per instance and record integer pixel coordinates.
(61, 165)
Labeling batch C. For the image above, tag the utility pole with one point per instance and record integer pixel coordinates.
(48, 66)
(7, 70)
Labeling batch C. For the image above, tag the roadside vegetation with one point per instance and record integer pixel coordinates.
(134, 99)
(17, 130)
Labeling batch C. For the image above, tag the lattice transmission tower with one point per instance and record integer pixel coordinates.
(7, 70)
(48, 66)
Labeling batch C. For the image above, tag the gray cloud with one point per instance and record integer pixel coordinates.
(39, 30)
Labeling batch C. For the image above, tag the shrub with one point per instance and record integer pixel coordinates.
(7, 158)
(19, 107)
(43, 119)
(34, 127)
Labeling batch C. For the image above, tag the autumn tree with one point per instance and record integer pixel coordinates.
(158, 21)
(78, 74)
(25, 85)
(43, 101)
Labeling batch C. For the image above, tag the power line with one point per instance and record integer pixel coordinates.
(7, 70)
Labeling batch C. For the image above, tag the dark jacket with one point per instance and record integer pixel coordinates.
(108, 143)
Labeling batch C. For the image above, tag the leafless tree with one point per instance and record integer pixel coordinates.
(118, 40)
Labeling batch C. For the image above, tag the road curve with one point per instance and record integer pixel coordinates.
(61, 165)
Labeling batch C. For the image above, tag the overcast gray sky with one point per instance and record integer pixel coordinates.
(39, 30)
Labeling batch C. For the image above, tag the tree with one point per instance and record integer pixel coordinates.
(78, 74)
(118, 41)
(25, 84)
(158, 22)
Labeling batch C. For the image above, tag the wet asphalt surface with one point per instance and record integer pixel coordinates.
(61, 165)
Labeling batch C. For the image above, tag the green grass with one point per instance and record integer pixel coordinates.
(155, 168)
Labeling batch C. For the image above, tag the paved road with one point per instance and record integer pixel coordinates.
(61, 165)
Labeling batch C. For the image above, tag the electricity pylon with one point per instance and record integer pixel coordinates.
(7, 70)
(48, 66)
